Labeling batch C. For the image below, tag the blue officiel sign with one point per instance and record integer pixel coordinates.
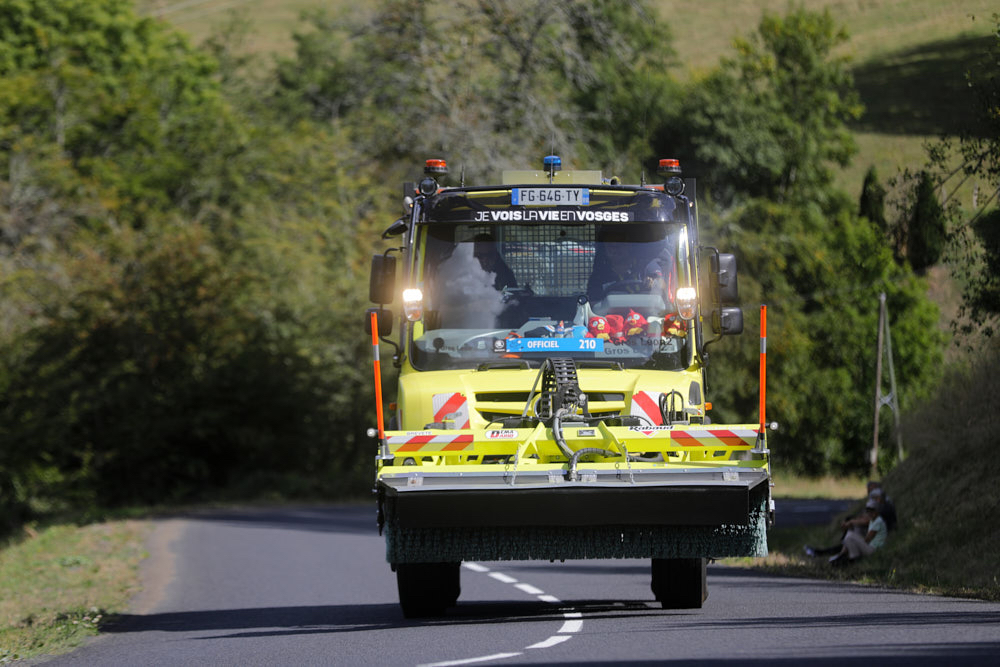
(555, 345)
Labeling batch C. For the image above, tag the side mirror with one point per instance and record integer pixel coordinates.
(384, 319)
(382, 285)
(728, 321)
(395, 229)
(724, 271)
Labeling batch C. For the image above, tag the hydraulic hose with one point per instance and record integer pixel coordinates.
(557, 434)
(573, 460)
(667, 410)
(574, 457)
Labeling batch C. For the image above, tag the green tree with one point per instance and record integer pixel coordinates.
(983, 295)
(871, 204)
(926, 232)
(130, 106)
(819, 270)
(586, 79)
(770, 122)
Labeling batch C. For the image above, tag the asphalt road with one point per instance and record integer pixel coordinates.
(310, 586)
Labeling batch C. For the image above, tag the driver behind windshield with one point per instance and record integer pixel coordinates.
(626, 263)
(465, 284)
(485, 250)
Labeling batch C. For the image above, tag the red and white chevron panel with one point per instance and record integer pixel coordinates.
(453, 406)
(646, 404)
(415, 442)
(714, 437)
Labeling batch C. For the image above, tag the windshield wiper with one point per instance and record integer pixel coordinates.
(506, 363)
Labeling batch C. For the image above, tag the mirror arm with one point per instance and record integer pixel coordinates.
(397, 358)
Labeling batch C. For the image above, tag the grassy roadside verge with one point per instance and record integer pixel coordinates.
(58, 584)
(790, 486)
(899, 565)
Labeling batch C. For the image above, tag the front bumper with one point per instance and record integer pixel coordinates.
(617, 496)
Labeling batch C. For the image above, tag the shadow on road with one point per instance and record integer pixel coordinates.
(934, 618)
(908, 655)
(327, 619)
(580, 567)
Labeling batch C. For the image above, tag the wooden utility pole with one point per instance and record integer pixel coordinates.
(884, 341)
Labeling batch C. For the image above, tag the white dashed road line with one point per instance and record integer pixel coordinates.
(503, 578)
(529, 589)
(572, 624)
(471, 661)
(475, 567)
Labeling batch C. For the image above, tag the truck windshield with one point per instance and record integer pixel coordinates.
(509, 292)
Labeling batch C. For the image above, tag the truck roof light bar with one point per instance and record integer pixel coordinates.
(435, 166)
(552, 164)
(670, 170)
(669, 167)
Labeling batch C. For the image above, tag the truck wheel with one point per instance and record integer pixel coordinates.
(427, 589)
(680, 583)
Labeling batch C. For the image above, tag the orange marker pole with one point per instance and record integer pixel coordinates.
(763, 365)
(378, 380)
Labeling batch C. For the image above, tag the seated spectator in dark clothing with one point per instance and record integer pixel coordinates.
(855, 545)
(859, 523)
(887, 509)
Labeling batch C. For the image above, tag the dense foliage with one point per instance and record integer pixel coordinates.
(770, 121)
(973, 231)
(178, 275)
(184, 232)
(486, 84)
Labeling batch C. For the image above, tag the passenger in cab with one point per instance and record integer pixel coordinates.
(625, 262)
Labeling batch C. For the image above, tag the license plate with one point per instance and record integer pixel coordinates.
(550, 197)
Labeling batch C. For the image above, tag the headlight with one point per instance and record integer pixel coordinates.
(413, 304)
(686, 301)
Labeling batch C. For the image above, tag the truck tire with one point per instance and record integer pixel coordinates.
(680, 583)
(427, 589)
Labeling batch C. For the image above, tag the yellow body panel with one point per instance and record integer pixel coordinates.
(417, 389)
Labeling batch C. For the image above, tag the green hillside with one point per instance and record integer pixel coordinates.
(273, 20)
(702, 31)
(909, 55)
(877, 28)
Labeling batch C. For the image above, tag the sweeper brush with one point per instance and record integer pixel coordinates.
(418, 545)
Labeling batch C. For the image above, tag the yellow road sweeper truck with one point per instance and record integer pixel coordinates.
(551, 347)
